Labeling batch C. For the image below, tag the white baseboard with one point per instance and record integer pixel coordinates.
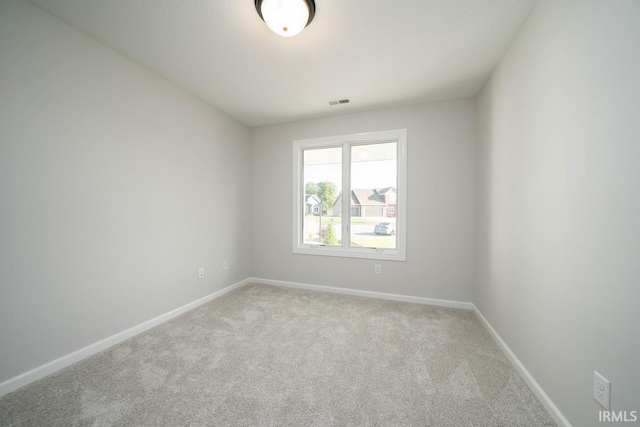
(71, 358)
(368, 294)
(546, 401)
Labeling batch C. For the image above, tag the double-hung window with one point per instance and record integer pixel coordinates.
(358, 184)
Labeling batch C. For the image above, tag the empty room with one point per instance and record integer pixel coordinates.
(319, 212)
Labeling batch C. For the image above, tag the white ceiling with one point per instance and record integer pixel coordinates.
(378, 53)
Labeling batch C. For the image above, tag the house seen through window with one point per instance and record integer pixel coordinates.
(349, 195)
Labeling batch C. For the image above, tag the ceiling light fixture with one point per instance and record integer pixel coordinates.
(286, 18)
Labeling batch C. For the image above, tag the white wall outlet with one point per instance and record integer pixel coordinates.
(201, 273)
(601, 390)
(377, 268)
(225, 265)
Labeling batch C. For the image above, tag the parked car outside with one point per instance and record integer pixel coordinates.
(387, 228)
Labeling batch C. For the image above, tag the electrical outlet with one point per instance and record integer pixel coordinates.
(201, 273)
(377, 268)
(601, 390)
(225, 265)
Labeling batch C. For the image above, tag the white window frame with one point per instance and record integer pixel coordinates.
(399, 136)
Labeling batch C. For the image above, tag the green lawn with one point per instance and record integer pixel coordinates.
(358, 240)
(338, 220)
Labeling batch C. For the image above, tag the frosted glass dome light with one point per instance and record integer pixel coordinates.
(286, 17)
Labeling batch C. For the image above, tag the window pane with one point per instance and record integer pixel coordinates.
(373, 195)
(322, 177)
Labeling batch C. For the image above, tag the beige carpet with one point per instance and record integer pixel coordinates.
(268, 356)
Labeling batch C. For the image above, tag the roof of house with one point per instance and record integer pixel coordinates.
(370, 197)
(314, 198)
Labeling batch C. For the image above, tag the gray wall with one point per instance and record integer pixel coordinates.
(558, 238)
(440, 203)
(115, 186)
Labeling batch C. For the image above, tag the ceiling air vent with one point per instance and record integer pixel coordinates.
(339, 101)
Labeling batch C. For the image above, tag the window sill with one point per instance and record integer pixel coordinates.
(380, 254)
